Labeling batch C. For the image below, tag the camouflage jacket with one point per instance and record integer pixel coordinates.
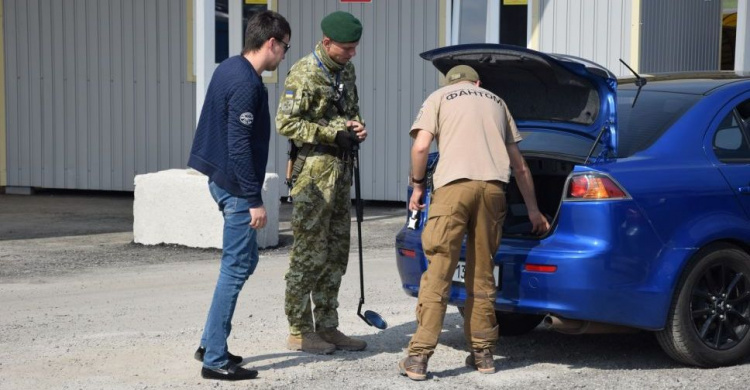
(307, 112)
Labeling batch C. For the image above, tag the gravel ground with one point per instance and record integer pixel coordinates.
(85, 308)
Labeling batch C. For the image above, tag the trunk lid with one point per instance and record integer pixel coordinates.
(549, 92)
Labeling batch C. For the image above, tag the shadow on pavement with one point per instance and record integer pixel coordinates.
(638, 351)
(63, 213)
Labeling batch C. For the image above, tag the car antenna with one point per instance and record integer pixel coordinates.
(639, 81)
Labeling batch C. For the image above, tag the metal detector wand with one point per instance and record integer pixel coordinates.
(358, 207)
(370, 317)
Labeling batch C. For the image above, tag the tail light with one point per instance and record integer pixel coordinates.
(593, 187)
(540, 268)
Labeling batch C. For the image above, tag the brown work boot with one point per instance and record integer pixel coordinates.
(341, 341)
(310, 343)
(482, 360)
(414, 366)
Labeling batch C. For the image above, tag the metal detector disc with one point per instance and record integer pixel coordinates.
(374, 319)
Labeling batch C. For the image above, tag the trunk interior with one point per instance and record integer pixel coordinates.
(549, 182)
(549, 175)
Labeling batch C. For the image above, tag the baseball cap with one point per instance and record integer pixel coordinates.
(461, 73)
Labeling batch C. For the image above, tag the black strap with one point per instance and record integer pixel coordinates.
(299, 162)
(331, 150)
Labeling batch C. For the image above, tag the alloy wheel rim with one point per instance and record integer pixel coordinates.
(720, 307)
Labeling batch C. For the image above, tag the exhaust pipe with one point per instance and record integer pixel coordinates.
(568, 326)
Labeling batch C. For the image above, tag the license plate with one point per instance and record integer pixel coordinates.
(460, 273)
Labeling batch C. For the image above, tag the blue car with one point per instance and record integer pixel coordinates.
(646, 183)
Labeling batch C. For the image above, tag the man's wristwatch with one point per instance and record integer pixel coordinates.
(417, 181)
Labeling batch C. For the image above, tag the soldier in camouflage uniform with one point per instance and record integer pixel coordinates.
(319, 112)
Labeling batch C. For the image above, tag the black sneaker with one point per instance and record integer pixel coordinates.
(202, 351)
(228, 372)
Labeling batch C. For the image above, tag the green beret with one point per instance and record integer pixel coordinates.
(461, 73)
(341, 27)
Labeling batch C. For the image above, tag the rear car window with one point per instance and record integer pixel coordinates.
(654, 112)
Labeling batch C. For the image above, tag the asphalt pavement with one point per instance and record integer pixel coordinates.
(86, 308)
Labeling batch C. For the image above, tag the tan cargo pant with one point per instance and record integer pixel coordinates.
(477, 209)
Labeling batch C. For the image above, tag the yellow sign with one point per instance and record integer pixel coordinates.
(261, 2)
(729, 20)
(515, 2)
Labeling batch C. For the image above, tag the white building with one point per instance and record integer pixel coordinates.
(94, 92)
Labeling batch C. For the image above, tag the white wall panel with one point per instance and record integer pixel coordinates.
(55, 76)
(595, 30)
(680, 36)
(674, 35)
(96, 91)
(11, 90)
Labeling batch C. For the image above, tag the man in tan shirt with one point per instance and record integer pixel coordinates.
(477, 140)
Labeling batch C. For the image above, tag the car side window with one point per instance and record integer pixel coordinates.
(743, 110)
(730, 141)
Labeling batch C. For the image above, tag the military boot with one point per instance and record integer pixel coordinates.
(482, 360)
(309, 342)
(341, 341)
(414, 366)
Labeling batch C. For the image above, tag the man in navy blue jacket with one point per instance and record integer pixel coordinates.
(231, 148)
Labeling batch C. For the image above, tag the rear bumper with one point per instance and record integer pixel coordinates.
(620, 275)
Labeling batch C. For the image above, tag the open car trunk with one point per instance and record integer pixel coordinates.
(549, 183)
(550, 175)
(565, 105)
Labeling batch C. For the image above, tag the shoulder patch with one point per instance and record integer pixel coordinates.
(246, 118)
(290, 102)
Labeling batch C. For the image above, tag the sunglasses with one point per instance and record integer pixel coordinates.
(286, 45)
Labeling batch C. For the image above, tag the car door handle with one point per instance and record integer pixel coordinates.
(744, 190)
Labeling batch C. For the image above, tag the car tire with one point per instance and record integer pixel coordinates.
(514, 324)
(709, 319)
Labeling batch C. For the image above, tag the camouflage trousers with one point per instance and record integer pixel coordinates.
(321, 223)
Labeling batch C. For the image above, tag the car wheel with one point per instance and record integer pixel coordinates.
(709, 319)
(514, 324)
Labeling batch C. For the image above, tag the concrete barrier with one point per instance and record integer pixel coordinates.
(175, 207)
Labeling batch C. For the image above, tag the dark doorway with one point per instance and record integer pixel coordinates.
(728, 40)
(513, 23)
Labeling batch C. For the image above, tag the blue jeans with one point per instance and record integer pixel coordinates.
(239, 258)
